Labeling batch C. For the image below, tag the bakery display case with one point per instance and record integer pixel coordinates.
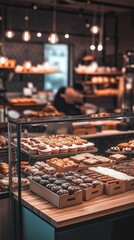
(55, 172)
(4, 167)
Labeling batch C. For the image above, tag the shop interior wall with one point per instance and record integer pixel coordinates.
(126, 31)
(41, 20)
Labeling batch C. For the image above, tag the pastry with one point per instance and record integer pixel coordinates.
(51, 179)
(89, 145)
(127, 149)
(55, 188)
(55, 150)
(73, 148)
(63, 149)
(44, 152)
(62, 192)
(115, 149)
(65, 185)
(123, 145)
(77, 181)
(73, 189)
(118, 157)
(37, 179)
(46, 176)
(83, 185)
(91, 161)
(32, 150)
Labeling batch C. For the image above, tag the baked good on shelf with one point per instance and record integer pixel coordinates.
(44, 152)
(118, 157)
(112, 173)
(63, 149)
(123, 145)
(3, 141)
(89, 145)
(115, 149)
(91, 161)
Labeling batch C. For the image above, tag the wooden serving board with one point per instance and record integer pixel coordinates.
(88, 210)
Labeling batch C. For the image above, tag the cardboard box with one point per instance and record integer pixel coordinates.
(115, 188)
(91, 193)
(129, 185)
(58, 201)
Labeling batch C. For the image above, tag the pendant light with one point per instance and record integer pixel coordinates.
(53, 37)
(100, 45)
(94, 28)
(94, 31)
(9, 32)
(26, 36)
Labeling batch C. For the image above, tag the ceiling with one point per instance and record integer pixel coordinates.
(75, 5)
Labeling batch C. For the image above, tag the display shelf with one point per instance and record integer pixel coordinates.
(59, 155)
(120, 152)
(106, 133)
(9, 64)
(28, 71)
(109, 74)
(88, 82)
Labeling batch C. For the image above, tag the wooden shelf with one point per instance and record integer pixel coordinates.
(88, 210)
(93, 83)
(109, 74)
(48, 71)
(9, 64)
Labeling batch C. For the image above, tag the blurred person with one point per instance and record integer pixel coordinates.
(69, 101)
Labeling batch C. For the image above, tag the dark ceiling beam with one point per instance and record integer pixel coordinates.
(85, 13)
(114, 5)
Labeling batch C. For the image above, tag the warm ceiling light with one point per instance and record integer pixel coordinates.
(35, 7)
(3, 60)
(66, 35)
(100, 47)
(26, 18)
(9, 34)
(26, 36)
(92, 47)
(0, 18)
(53, 38)
(94, 29)
(39, 34)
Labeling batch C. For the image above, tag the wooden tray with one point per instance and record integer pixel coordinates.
(115, 188)
(119, 152)
(58, 201)
(91, 193)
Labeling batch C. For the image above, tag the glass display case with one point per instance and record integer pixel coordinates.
(71, 161)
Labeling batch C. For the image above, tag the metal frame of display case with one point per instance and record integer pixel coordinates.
(18, 124)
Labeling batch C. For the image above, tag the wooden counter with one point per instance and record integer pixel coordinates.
(88, 210)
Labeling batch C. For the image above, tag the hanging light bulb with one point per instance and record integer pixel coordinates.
(26, 36)
(53, 37)
(9, 34)
(94, 29)
(100, 47)
(66, 36)
(39, 34)
(92, 47)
